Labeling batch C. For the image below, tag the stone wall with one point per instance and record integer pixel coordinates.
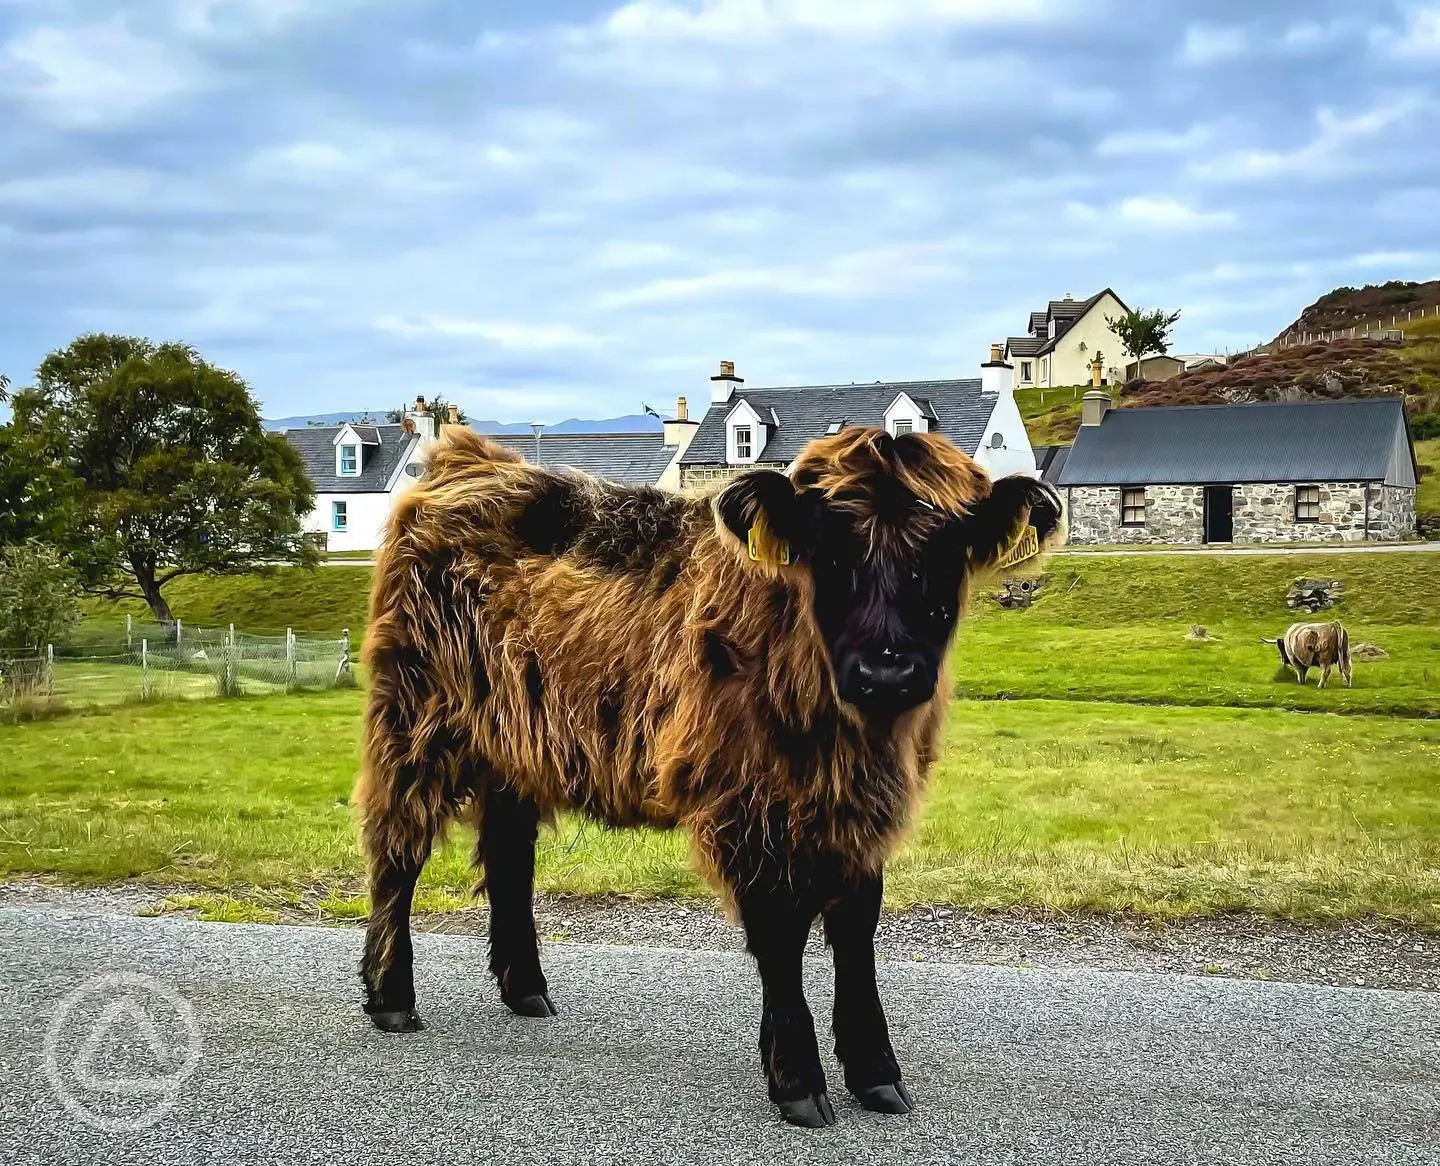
(708, 477)
(1263, 512)
(1173, 514)
(1392, 512)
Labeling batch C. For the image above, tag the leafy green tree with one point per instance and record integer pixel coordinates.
(38, 594)
(1143, 334)
(176, 476)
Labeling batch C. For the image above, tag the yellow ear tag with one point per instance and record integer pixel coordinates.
(1027, 546)
(765, 547)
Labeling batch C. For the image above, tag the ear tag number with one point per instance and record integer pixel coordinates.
(1027, 546)
(765, 547)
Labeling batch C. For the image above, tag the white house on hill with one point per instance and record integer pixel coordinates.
(1062, 341)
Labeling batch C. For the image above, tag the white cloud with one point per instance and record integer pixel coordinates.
(872, 273)
(95, 74)
(1169, 212)
(1207, 44)
(1127, 143)
(511, 335)
(624, 253)
(1421, 36)
(236, 19)
(1325, 152)
(751, 20)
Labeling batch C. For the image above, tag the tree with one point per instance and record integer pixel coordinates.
(1143, 334)
(176, 476)
(38, 593)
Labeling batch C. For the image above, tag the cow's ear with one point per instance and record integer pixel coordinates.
(1019, 518)
(760, 511)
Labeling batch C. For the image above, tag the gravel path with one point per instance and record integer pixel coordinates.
(266, 1059)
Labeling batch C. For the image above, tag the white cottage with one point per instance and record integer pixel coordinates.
(769, 427)
(358, 471)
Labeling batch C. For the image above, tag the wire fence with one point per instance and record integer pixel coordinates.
(113, 664)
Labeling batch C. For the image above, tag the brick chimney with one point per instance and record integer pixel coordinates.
(997, 376)
(723, 387)
(680, 429)
(1093, 407)
(452, 416)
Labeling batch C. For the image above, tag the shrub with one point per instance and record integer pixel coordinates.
(39, 591)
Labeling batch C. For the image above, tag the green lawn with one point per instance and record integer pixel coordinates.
(1427, 498)
(1059, 804)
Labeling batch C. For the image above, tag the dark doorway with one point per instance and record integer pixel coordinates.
(1219, 514)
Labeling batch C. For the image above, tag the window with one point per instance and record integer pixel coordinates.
(1026, 374)
(339, 516)
(903, 425)
(742, 443)
(1307, 503)
(1045, 369)
(349, 460)
(1132, 506)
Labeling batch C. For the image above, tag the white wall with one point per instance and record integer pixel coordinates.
(1018, 455)
(367, 514)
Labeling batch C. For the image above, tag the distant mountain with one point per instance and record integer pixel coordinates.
(631, 423)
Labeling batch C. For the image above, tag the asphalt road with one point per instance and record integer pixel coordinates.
(653, 1060)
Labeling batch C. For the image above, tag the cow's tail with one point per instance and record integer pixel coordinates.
(1342, 644)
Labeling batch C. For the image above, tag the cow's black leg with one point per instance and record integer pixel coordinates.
(509, 827)
(388, 966)
(862, 1038)
(777, 922)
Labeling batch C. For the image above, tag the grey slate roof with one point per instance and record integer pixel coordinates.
(1352, 440)
(1050, 460)
(634, 459)
(804, 413)
(316, 445)
(369, 434)
(1037, 321)
(1026, 345)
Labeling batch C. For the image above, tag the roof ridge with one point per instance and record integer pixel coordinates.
(1257, 404)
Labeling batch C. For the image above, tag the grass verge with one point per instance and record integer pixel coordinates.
(1163, 811)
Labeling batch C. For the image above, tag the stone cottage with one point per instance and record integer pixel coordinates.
(1316, 471)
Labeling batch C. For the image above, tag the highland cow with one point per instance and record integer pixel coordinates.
(763, 668)
(1315, 645)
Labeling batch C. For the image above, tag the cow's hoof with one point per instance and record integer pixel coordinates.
(404, 1021)
(886, 1098)
(812, 1113)
(536, 1005)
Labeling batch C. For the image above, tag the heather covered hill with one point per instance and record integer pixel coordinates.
(1376, 304)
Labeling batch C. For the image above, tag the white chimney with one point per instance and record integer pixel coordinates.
(680, 429)
(423, 419)
(996, 376)
(723, 387)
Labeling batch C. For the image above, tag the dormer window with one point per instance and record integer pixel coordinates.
(903, 425)
(349, 461)
(743, 443)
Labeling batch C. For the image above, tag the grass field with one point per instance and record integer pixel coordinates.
(1066, 805)
(1119, 773)
(1427, 497)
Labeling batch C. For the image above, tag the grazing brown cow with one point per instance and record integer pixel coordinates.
(763, 668)
(1315, 645)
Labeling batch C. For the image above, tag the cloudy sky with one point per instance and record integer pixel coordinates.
(546, 208)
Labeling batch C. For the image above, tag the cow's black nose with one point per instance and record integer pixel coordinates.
(885, 670)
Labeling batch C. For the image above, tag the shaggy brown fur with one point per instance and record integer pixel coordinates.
(563, 643)
(1315, 645)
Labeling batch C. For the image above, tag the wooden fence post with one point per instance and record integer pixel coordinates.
(289, 659)
(144, 669)
(129, 632)
(344, 669)
(49, 670)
